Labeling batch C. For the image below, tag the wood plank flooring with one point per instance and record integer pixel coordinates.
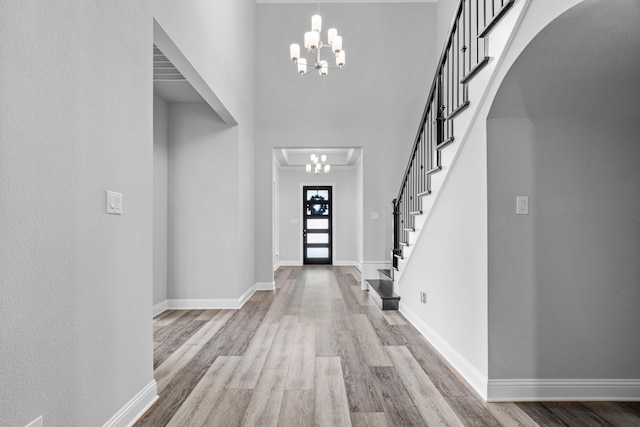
(317, 351)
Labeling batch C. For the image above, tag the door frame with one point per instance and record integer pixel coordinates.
(331, 187)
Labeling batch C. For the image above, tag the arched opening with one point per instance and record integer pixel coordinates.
(564, 130)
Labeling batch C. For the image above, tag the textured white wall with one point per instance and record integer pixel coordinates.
(160, 189)
(563, 280)
(75, 120)
(375, 102)
(345, 211)
(203, 204)
(217, 39)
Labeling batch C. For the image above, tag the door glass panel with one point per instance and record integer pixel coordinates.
(318, 209)
(322, 193)
(317, 252)
(317, 238)
(318, 224)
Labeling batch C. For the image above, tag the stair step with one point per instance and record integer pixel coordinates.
(424, 193)
(415, 213)
(383, 294)
(434, 170)
(404, 244)
(385, 274)
(445, 143)
(410, 229)
(475, 70)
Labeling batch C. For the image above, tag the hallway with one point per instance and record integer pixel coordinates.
(318, 352)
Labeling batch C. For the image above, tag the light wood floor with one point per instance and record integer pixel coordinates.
(317, 352)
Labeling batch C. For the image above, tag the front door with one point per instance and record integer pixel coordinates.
(316, 227)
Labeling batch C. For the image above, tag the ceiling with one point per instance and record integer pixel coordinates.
(347, 157)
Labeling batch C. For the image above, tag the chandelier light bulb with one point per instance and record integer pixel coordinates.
(340, 58)
(327, 168)
(302, 66)
(308, 169)
(316, 23)
(337, 44)
(318, 168)
(294, 50)
(311, 40)
(324, 68)
(331, 34)
(313, 158)
(324, 158)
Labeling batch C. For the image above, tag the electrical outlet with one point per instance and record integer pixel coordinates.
(423, 297)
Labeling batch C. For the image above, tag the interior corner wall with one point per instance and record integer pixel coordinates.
(344, 224)
(217, 39)
(203, 205)
(160, 192)
(75, 120)
(359, 211)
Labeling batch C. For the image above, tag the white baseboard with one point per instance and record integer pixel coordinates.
(265, 286)
(136, 407)
(212, 304)
(469, 372)
(347, 264)
(536, 390)
(160, 307)
(288, 264)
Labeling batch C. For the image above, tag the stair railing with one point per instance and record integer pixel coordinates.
(463, 56)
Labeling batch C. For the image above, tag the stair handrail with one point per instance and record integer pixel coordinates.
(453, 71)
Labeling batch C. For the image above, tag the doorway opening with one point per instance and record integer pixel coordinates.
(317, 225)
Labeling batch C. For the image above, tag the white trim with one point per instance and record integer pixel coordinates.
(160, 307)
(469, 372)
(370, 269)
(289, 264)
(537, 390)
(347, 264)
(265, 286)
(212, 304)
(35, 423)
(136, 407)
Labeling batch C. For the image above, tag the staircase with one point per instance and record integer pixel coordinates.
(464, 55)
(382, 289)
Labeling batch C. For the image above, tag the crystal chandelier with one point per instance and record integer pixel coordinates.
(318, 165)
(314, 44)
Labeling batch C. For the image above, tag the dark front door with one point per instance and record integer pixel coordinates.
(316, 227)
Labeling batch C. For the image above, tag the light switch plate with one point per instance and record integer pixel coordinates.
(522, 205)
(375, 215)
(114, 203)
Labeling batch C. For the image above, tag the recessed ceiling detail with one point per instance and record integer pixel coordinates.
(299, 157)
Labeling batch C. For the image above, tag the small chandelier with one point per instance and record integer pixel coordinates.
(313, 43)
(319, 164)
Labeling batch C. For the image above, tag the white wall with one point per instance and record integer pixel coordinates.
(375, 102)
(563, 280)
(203, 205)
(449, 263)
(345, 209)
(217, 40)
(160, 192)
(75, 120)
